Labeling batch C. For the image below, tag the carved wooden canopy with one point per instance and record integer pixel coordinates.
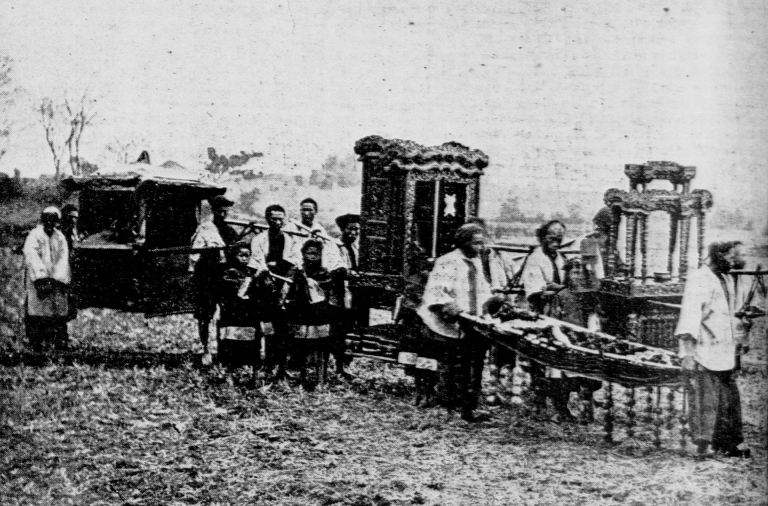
(642, 174)
(398, 154)
(648, 201)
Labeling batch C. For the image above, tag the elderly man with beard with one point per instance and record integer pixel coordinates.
(46, 257)
(710, 335)
(457, 285)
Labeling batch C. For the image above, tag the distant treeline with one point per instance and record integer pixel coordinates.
(22, 200)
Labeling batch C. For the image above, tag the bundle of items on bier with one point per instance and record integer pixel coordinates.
(572, 348)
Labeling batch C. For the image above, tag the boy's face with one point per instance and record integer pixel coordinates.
(242, 256)
(311, 255)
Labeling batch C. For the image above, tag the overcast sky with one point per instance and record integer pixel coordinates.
(546, 88)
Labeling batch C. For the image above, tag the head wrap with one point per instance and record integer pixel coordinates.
(52, 210)
(466, 232)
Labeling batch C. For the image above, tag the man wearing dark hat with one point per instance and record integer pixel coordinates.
(207, 266)
(348, 316)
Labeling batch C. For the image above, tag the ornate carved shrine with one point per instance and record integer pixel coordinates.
(640, 305)
(413, 200)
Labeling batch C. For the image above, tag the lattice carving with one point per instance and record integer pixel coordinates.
(670, 171)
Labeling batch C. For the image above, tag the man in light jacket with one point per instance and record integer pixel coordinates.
(710, 335)
(457, 285)
(46, 257)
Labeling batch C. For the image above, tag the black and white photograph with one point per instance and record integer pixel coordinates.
(383, 253)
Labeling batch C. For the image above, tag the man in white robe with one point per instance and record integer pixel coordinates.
(47, 280)
(457, 285)
(709, 335)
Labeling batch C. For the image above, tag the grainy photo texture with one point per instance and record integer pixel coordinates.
(380, 253)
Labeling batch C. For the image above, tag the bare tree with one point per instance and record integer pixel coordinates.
(125, 151)
(220, 164)
(8, 94)
(64, 124)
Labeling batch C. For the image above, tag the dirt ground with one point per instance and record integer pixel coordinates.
(144, 424)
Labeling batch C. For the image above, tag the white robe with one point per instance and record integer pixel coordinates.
(206, 236)
(449, 282)
(538, 271)
(346, 262)
(260, 249)
(46, 257)
(707, 315)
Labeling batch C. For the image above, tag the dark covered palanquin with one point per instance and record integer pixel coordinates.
(134, 255)
(413, 200)
(640, 305)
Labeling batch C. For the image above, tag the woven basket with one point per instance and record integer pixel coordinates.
(619, 369)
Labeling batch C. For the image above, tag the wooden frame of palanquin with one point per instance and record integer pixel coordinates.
(390, 251)
(147, 273)
(389, 255)
(645, 309)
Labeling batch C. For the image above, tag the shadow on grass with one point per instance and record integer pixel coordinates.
(99, 357)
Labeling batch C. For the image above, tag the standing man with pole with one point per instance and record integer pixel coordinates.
(207, 267)
(308, 225)
(349, 316)
(710, 337)
(274, 254)
(457, 285)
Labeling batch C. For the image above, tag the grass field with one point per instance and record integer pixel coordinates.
(171, 433)
(129, 417)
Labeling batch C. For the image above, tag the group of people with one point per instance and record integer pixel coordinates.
(472, 279)
(48, 302)
(711, 335)
(289, 283)
(292, 280)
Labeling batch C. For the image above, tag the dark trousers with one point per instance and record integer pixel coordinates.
(45, 331)
(343, 322)
(460, 368)
(278, 345)
(715, 407)
(472, 353)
